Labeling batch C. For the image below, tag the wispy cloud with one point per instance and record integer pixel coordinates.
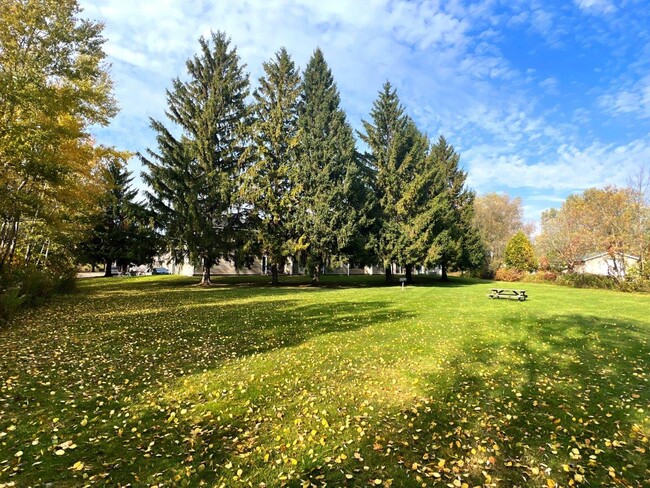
(520, 124)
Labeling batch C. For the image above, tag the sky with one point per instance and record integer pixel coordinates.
(541, 99)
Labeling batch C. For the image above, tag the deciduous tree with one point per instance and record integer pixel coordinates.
(53, 86)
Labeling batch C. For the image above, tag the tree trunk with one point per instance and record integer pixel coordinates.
(444, 277)
(409, 274)
(389, 273)
(107, 268)
(205, 278)
(274, 274)
(315, 275)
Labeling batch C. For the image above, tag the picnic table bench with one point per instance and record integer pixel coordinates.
(509, 294)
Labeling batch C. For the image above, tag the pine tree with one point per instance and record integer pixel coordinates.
(389, 137)
(458, 243)
(194, 177)
(329, 171)
(269, 180)
(123, 230)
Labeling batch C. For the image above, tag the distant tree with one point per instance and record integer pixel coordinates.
(194, 178)
(329, 172)
(123, 230)
(54, 85)
(598, 220)
(519, 253)
(269, 180)
(498, 217)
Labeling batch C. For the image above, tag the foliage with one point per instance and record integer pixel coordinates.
(598, 220)
(150, 380)
(123, 230)
(586, 280)
(269, 182)
(29, 286)
(194, 177)
(329, 174)
(508, 274)
(519, 253)
(53, 86)
(498, 217)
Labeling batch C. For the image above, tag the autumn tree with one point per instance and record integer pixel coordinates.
(53, 86)
(498, 217)
(598, 220)
(194, 177)
(329, 172)
(519, 253)
(269, 180)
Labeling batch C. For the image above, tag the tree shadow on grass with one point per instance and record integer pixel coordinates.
(568, 404)
(99, 370)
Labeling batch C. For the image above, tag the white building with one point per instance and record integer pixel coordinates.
(605, 264)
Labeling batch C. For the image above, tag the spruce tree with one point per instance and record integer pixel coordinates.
(329, 171)
(269, 179)
(389, 137)
(458, 243)
(194, 177)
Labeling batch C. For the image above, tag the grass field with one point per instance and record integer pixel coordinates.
(153, 381)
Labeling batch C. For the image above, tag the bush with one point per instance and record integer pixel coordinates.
(28, 287)
(508, 274)
(585, 280)
(541, 277)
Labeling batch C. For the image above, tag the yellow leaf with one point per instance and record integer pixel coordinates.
(578, 477)
(78, 466)
(550, 483)
(18, 454)
(441, 463)
(377, 482)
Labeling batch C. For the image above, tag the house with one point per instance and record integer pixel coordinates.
(606, 264)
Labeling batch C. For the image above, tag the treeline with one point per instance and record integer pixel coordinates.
(611, 224)
(276, 172)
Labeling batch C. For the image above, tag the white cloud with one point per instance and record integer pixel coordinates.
(596, 6)
(630, 98)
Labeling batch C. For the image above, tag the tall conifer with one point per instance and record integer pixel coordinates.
(269, 180)
(194, 177)
(329, 172)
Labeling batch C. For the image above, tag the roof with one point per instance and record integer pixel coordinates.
(596, 255)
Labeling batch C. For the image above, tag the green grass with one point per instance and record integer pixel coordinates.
(153, 381)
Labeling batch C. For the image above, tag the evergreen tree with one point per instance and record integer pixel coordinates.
(389, 138)
(194, 177)
(458, 244)
(123, 231)
(269, 179)
(519, 253)
(329, 171)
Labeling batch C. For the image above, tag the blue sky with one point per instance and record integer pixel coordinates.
(540, 98)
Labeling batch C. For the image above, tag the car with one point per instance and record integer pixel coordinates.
(160, 271)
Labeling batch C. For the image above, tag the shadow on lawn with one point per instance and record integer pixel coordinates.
(568, 410)
(101, 367)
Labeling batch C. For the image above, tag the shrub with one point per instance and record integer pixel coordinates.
(508, 274)
(541, 277)
(585, 280)
(28, 287)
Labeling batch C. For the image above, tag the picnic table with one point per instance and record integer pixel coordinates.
(508, 294)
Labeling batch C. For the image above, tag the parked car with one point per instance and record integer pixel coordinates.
(160, 271)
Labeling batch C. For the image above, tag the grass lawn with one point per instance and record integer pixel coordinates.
(153, 381)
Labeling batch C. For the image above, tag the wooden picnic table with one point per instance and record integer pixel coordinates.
(508, 294)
